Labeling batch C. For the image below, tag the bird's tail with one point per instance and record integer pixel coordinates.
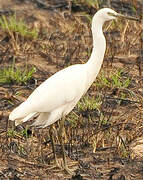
(20, 115)
(19, 112)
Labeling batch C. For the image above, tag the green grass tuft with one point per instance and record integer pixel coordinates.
(12, 25)
(115, 80)
(89, 103)
(16, 75)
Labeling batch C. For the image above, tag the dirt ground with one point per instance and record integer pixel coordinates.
(104, 142)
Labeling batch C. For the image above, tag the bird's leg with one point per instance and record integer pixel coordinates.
(53, 147)
(60, 136)
(41, 149)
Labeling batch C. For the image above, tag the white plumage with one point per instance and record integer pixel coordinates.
(54, 98)
(59, 94)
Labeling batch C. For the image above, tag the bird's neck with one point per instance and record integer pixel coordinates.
(99, 45)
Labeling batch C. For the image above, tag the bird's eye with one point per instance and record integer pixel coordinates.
(111, 14)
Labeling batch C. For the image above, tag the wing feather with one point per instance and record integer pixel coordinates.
(59, 89)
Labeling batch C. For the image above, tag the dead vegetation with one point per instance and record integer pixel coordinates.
(103, 135)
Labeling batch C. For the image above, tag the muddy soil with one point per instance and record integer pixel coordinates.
(104, 143)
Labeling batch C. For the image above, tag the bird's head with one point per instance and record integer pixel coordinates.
(107, 14)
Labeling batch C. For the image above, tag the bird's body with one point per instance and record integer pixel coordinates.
(54, 98)
(59, 94)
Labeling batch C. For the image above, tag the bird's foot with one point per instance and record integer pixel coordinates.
(67, 170)
(58, 164)
(55, 164)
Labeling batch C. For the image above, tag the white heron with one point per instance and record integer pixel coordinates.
(58, 95)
